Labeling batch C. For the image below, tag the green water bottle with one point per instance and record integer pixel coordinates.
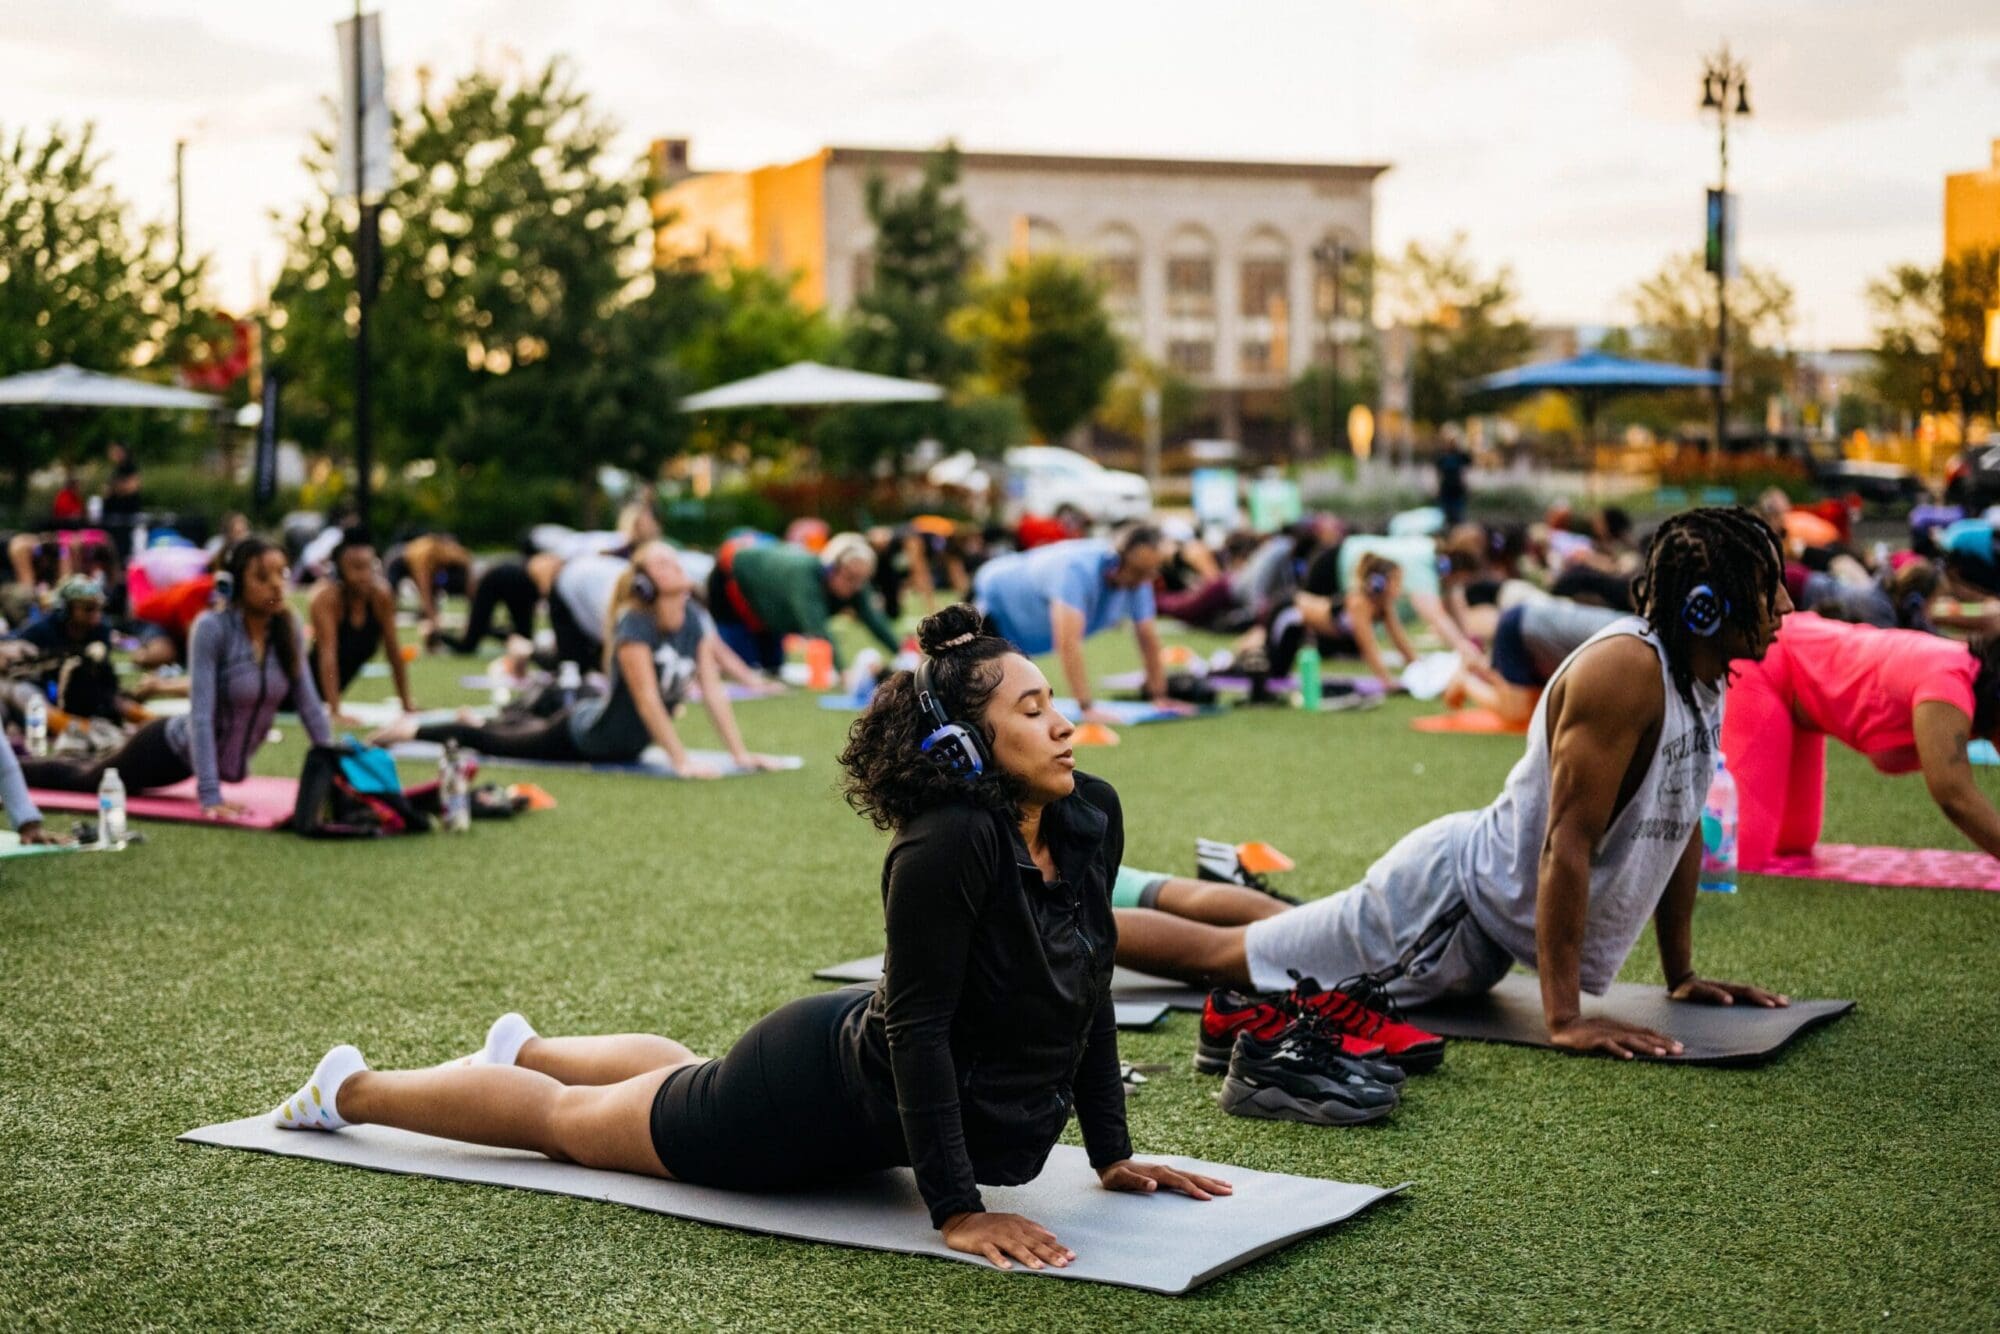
(1306, 670)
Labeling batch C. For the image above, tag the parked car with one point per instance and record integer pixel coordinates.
(1043, 480)
(1833, 473)
(1972, 477)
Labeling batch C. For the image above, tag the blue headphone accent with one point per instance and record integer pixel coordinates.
(1703, 610)
(643, 587)
(224, 591)
(959, 748)
(1378, 583)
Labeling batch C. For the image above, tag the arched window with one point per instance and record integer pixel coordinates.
(1115, 258)
(1263, 274)
(1191, 274)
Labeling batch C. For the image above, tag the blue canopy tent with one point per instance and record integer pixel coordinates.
(1594, 377)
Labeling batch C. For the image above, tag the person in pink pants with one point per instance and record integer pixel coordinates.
(1906, 700)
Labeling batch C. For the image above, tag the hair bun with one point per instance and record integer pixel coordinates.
(953, 628)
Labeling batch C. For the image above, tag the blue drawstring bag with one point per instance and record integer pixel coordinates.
(370, 770)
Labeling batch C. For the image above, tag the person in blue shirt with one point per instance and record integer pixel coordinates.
(1052, 598)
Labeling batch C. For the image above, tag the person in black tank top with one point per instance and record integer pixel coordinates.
(992, 1022)
(353, 615)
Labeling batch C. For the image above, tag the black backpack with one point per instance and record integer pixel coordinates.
(330, 806)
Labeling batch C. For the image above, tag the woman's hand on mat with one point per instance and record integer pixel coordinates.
(1003, 1238)
(755, 762)
(1701, 991)
(222, 810)
(1168, 704)
(1100, 715)
(688, 767)
(1144, 1178)
(1612, 1038)
(33, 833)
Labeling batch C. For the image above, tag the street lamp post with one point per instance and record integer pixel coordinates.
(1725, 90)
(1330, 255)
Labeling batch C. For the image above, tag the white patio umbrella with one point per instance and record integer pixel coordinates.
(808, 384)
(69, 386)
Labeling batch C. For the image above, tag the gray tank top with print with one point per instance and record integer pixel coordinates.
(1500, 855)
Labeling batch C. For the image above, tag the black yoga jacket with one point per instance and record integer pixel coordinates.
(994, 1017)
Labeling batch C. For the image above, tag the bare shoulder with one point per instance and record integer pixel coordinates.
(1615, 681)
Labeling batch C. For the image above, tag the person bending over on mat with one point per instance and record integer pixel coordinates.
(1531, 640)
(244, 660)
(992, 1018)
(353, 614)
(1598, 827)
(657, 643)
(1906, 700)
(434, 562)
(1347, 627)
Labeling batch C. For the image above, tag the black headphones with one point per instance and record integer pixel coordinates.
(1378, 583)
(959, 748)
(1703, 611)
(643, 587)
(224, 591)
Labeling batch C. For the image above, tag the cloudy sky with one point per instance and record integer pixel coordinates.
(1561, 136)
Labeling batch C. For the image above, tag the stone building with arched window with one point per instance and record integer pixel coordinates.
(1214, 268)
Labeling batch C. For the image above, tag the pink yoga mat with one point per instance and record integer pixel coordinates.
(267, 803)
(1915, 868)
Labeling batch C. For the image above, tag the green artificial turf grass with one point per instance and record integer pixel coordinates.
(196, 978)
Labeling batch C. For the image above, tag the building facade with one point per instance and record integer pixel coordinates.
(1972, 209)
(1226, 272)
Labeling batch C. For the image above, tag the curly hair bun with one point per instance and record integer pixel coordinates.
(953, 628)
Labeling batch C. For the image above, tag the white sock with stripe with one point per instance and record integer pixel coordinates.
(313, 1107)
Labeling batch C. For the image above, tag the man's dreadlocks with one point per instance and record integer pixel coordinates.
(1727, 548)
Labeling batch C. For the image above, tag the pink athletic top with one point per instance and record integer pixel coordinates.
(1861, 685)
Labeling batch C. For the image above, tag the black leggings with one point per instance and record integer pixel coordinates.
(508, 585)
(574, 643)
(511, 738)
(146, 761)
(776, 1112)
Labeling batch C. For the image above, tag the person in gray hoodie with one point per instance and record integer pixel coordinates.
(245, 659)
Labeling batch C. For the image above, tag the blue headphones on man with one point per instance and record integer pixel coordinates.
(959, 748)
(1703, 610)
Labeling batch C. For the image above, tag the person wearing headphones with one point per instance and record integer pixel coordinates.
(1346, 627)
(245, 659)
(1052, 598)
(760, 591)
(352, 615)
(657, 644)
(1597, 829)
(993, 1019)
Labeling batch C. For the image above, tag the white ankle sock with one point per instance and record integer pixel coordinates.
(313, 1107)
(504, 1039)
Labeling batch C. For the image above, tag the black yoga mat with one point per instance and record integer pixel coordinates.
(1709, 1034)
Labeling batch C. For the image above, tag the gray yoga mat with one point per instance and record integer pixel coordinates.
(1159, 1243)
(651, 764)
(1135, 994)
(1709, 1034)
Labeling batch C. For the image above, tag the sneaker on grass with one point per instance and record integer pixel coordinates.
(1298, 1078)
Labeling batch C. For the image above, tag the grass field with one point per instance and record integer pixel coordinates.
(1851, 1183)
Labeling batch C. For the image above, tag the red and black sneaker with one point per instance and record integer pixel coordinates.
(1226, 1013)
(1360, 1009)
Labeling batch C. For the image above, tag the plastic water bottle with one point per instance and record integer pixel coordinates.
(1307, 670)
(569, 680)
(1718, 832)
(141, 535)
(454, 795)
(38, 727)
(111, 811)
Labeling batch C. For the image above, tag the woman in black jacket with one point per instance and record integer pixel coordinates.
(992, 1022)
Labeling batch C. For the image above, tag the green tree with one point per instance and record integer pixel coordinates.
(1124, 406)
(901, 324)
(514, 329)
(1930, 336)
(1042, 334)
(1676, 312)
(745, 323)
(1463, 324)
(80, 282)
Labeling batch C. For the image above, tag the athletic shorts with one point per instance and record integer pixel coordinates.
(1510, 652)
(1137, 889)
(1367, 928)
(776, 1112)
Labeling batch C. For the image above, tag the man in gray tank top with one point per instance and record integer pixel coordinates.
(1597, 829)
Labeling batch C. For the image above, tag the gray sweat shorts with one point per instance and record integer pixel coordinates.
(1366, 928)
